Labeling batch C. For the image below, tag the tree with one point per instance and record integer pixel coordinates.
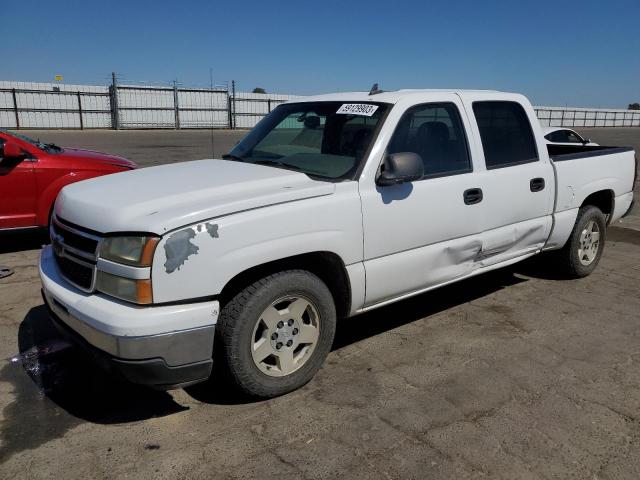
(634, 106)
(259, 90)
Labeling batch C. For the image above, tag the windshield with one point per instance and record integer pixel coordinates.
(321, 139)
(47, 147)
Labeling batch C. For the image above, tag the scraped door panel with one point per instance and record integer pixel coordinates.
(405, 272)
(518, 220)
(518, 183)
(421, 234)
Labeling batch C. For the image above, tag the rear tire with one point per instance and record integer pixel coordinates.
(274, 335)
(581, 254)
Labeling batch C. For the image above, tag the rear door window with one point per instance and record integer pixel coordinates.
(506, 134)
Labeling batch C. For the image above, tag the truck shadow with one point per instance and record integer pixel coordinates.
(387, 318)
(48, 376)
(19, 241)
(65, 378)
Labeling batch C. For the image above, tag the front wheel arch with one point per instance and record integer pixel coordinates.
(327, 266)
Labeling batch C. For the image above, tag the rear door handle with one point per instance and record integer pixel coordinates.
(536, 184)
(472, 196)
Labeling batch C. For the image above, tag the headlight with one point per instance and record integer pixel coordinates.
(134, 251)
(136, 291)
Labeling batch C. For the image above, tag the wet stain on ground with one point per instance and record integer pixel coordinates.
(57, 387)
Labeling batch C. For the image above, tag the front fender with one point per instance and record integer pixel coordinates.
(198, 260)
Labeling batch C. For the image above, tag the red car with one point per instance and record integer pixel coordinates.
(32, 173)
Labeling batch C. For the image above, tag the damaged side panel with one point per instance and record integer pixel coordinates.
(199, 259)
(450, 260)
(178, 248)
(421, 268)
(181, 245)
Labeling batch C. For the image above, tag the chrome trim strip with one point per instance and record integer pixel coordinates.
(121, 270)
(80, 253)
(73, 230)
(10, 229)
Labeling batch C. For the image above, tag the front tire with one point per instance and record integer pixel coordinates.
(274, 335)
(581, 254)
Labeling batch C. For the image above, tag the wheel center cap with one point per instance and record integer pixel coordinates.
(284, 336)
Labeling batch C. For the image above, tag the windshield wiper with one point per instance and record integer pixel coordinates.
(230, 156)
(276, 163)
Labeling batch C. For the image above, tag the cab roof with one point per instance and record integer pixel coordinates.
(388, 97)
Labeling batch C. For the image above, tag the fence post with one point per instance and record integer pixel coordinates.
(80, 111)
(233, 117)
(176, 107)
(229, 121)
(113, 97)
(269, 104)
(15, 108)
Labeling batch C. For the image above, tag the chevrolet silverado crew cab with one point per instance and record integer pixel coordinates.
(331, 206)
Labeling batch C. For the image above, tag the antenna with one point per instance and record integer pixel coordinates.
(375, 90)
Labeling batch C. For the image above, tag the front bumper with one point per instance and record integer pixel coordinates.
(162, 346)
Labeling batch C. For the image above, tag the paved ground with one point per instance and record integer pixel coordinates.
(515, 374)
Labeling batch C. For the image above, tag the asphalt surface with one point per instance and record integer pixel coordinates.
(514, 374)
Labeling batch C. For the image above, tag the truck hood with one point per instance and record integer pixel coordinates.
(163, 198)
(91, 157)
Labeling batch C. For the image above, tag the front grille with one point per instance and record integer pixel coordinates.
(76, 240)
(78, 274)
(75, 252)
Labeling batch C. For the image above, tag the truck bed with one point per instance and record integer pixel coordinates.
(559, 153)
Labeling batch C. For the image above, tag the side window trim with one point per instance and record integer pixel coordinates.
(530, 128)
(463, 131)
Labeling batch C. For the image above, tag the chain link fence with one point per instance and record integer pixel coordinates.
(28, 106)
(55, 107)
(42, 105)
(587, 117)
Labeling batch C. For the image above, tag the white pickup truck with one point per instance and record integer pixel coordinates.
(331, 206)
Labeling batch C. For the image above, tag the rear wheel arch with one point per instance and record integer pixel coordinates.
(327, 266)
(603, 199)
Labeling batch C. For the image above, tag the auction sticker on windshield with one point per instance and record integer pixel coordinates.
(357, 109)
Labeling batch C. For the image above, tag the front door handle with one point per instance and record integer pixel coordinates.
(472, 196)
(536, 184)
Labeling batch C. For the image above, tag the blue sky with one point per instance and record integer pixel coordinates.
(576, 53)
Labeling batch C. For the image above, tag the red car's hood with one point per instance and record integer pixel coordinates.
(99, 157)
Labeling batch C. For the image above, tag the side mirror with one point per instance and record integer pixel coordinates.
(586, 140)
(12, 150)
(312, 122)
(400, 168)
